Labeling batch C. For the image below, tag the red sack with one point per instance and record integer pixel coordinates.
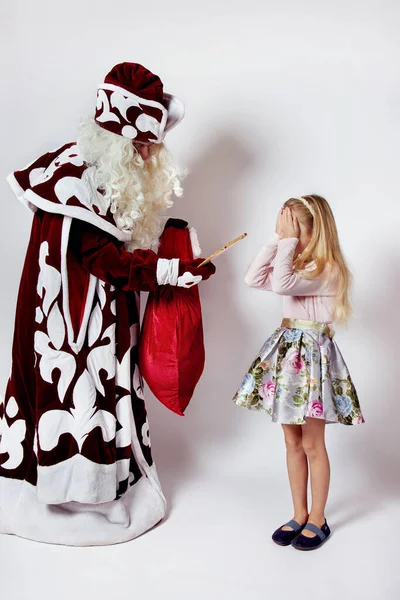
(171, 351)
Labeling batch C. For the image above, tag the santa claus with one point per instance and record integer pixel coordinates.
(75, 459)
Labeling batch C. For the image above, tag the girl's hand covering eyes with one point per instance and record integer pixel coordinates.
(289, 225)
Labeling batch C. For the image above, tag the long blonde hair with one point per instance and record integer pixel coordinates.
(323, 250)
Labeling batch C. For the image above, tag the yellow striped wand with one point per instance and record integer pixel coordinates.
(221, 250)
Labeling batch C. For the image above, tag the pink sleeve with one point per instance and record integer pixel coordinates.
(286, 282)
(260, 270)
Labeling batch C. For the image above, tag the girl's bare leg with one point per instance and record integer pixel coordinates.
(297, 467)
(313, 443)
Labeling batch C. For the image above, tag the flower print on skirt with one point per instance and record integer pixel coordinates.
(300, 373)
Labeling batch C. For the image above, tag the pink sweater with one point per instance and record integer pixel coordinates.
(272, 270)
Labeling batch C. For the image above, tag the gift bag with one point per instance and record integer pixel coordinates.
(171, 350)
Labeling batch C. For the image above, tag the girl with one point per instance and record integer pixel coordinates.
(299, 376)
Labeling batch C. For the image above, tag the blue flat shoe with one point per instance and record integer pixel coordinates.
(302, 542)
(284, 537)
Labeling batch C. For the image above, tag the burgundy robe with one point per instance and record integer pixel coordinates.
(75, 458)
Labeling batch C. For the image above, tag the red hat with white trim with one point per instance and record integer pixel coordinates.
(131, 102)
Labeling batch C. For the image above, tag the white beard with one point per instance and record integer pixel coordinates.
(138, 191)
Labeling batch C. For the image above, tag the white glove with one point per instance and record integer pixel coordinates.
(187, 280)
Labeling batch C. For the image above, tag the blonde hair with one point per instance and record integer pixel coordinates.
(138, 191)
(323, 249)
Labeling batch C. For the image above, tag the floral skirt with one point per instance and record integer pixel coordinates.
(299, 373)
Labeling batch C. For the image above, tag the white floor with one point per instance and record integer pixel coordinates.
(216, 544)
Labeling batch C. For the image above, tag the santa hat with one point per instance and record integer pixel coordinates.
(131, 102)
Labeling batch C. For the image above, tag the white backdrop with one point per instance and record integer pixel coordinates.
(283, 98)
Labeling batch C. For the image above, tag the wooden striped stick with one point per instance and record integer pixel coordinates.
(221, 250)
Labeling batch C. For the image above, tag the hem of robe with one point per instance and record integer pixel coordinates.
(75, 524)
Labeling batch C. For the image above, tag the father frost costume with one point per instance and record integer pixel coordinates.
(75, 459)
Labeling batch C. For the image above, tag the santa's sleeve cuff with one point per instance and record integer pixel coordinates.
(167, 271)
